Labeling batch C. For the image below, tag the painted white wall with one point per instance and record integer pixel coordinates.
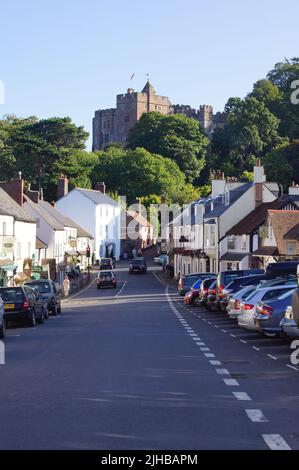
(79, 208)
(25, 234)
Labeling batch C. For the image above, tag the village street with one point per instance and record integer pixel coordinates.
(133, 368)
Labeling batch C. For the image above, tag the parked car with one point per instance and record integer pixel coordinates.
(234, 303)
(236, 285)
(262, 294)
(106, 264)
(106, 279)
(203, 291)
(211, 296)
(2, 321)
(193, 293)
(50, 292)
(137, 265)
(161, 260)
(226, 277)
(282, 269)
(288, 324)
(20, 304)
(268, 314)
(186, 281)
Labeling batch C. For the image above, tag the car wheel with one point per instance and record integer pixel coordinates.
(32, 321)
(41, 319)
(3, 330)
(98, 287)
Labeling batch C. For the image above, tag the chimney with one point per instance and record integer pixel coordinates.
(100, 187)
(62, 187)
(294, 189)
(163, 199)
(138, 205)
(218, 183)
(258, 172)
(15, 189)
(33, 195)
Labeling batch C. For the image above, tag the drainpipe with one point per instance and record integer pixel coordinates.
(217, 246)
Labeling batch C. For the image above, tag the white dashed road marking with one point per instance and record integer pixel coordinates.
(256, 416)
(243, 396)
(275, 442)
(231, 382)
(222, 372)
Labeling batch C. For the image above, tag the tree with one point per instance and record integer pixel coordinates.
(250, 131)
(138, 173)
(282, 163)
(43, 149)
(172, 136)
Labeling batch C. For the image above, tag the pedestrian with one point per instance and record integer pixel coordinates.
(66, 286)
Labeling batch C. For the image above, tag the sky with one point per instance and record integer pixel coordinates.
(72, 57)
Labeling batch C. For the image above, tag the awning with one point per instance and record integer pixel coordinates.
(7, 264)
(231, 256)
(266, 251)
(39, 244)
(22, 277)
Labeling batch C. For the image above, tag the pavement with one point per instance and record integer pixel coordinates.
(133, 368)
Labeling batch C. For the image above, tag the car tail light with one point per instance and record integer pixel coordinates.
(237, 305)
(265, 310)
(26, 305)
(220, 289)
(206, 290)
(212, 291)
(248, 306)
(181, 283)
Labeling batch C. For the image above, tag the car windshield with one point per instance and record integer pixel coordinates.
(138, 262)
(248, 293)
(12, 295)
(43, 287)
(106, 276)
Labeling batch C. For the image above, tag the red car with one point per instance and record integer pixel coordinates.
(193, 293)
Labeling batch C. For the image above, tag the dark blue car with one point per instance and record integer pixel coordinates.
(268, 316)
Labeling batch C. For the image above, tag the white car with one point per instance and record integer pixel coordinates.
(248, 306)
(234, 303)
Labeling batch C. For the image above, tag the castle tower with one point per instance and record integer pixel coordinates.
(205, 117)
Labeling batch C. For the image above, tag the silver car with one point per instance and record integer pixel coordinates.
(288, 324)
(234, 303)
(245, 319)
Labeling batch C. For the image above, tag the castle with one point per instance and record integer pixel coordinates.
(113, 125)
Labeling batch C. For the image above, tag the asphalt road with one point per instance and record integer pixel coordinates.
(132, 368)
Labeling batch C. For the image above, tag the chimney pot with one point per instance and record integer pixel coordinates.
(100, 187)
(62, 187)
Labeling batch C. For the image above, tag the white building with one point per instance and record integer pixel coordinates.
(98, 214)
(17, 233)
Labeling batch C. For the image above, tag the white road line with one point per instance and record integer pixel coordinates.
(224, 331)
(215, 363)
(243, 341)
(243, 396)
(209, 323)
(216, 326)
(222, 372)
(275, 442)
(233, 336)
(200, 344)
(272, 357)
(256, 416)
(292, 367)
(205, 349)
(78, 293)
(231, 382)
(209, 355)
(196, 339)
(257, 349)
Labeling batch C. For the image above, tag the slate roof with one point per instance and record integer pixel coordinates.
(96, 196)
(257, 217)
(234, 195)
(44, 214)
(8, 206)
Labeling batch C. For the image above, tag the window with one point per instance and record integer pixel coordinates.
(212, 235)
(107, 230)
(244, 242)
(231, 242)
(4, 228)
(101, 212)
(107, 212)
(291, 248)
